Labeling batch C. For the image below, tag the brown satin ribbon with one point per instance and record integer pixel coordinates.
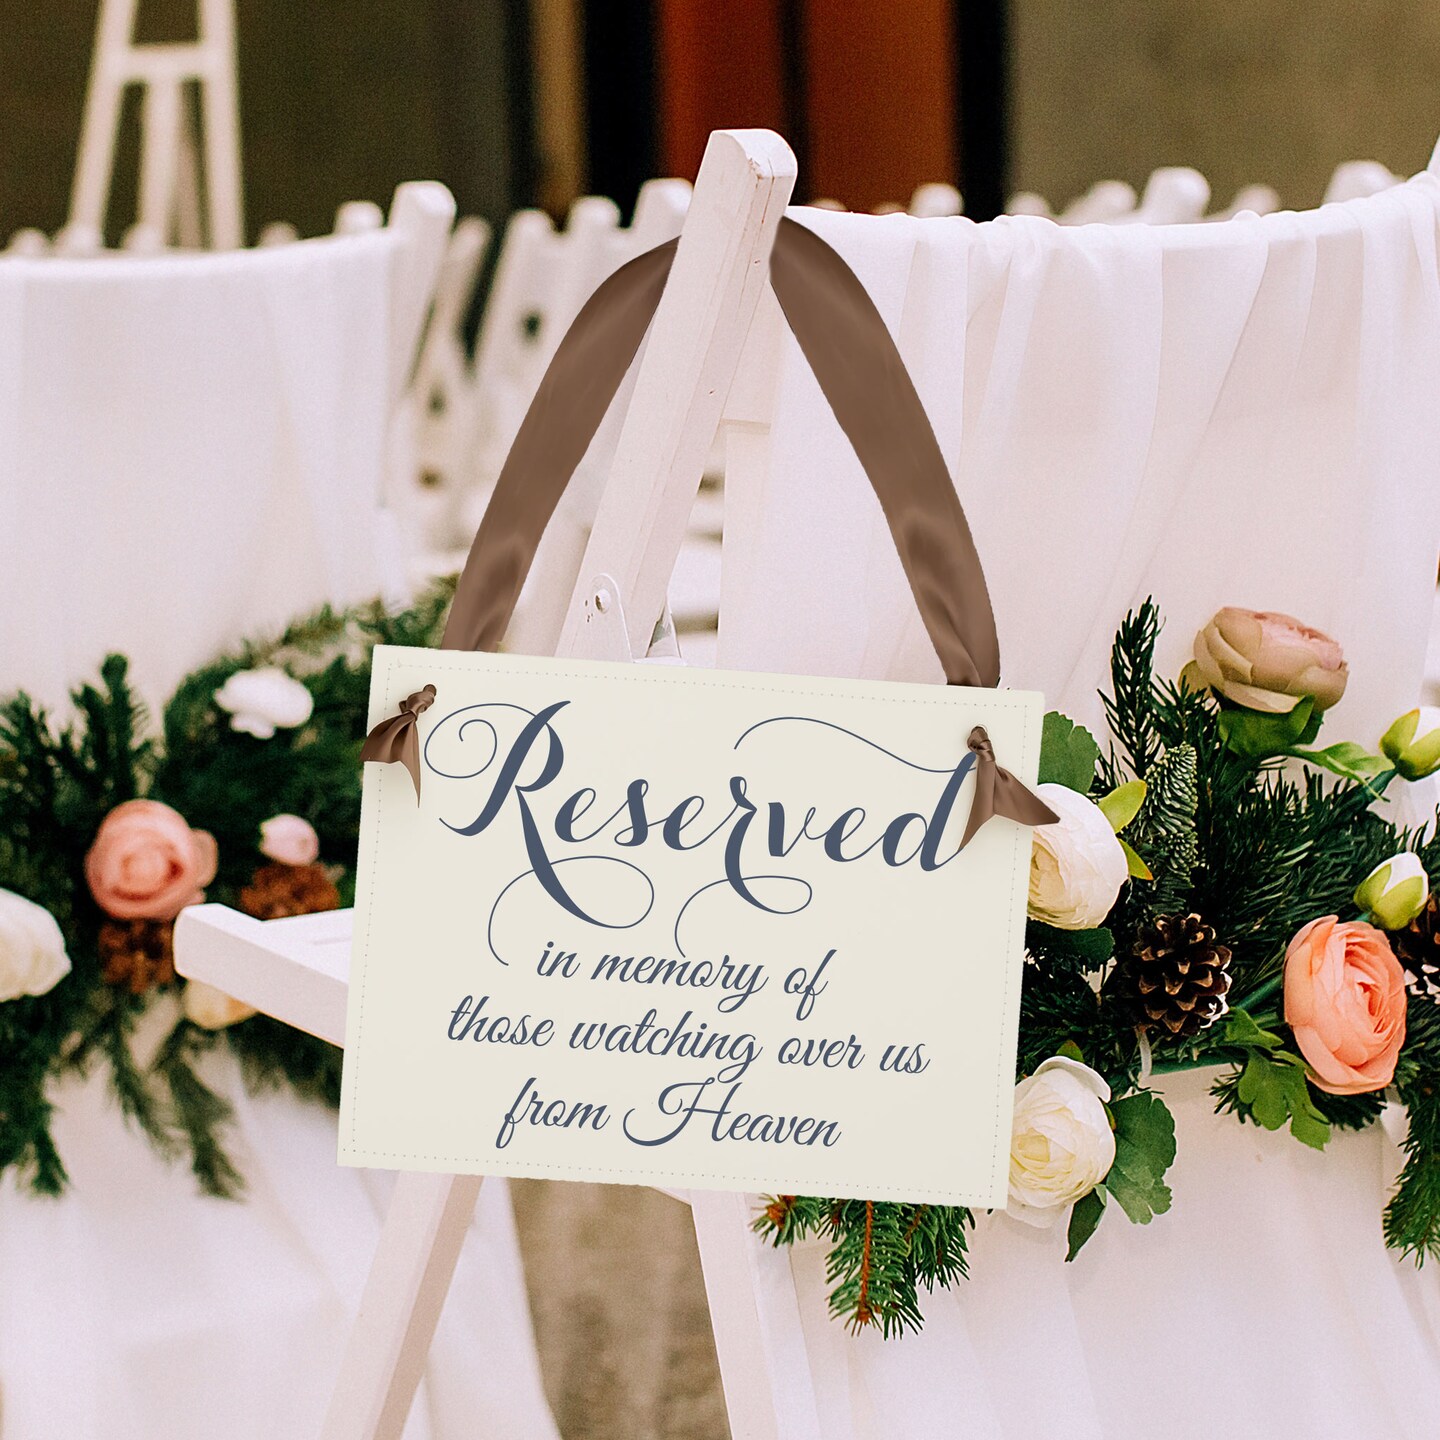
(998, 792)
(847, 345)
(396, 739)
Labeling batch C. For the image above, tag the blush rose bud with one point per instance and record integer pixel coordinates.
(1412, 743)
(1395, 891)
(1267, 661)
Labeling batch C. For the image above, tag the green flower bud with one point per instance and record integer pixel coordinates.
(1412, 743)
(1395, 891)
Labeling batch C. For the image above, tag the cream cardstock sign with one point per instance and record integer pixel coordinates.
(690, 928)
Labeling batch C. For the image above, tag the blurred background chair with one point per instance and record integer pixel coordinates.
(233, 410)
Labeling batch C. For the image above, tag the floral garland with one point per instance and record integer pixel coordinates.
(249, 795)
(1217, 892)
(1208, 898)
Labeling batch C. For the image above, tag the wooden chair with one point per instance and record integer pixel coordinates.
(297, 969)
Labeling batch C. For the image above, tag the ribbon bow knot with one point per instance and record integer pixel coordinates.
(396, 738)
(998, 792)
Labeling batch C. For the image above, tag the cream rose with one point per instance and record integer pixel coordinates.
(1076, 865)
(262, 701)
(212, 1009)
(32, 949)
(1061, 1143)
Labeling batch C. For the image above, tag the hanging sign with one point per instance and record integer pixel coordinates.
(688, 928)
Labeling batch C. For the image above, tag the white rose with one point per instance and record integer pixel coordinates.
(210, 1008)
(1076, 865)
(263, 701)
(32, 949)
(1061, 1144)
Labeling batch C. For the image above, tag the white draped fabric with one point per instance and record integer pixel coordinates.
(1243, 413)
(134, 1309)
(191, 451)
(1233, 414)
(1263, 1304)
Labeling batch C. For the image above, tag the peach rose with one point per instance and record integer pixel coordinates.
(1345, 1001)
(146, 863)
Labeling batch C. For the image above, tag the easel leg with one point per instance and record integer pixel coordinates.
(404, 1294)
(755, 1315)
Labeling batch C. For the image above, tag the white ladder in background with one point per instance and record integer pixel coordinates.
(297, 970)
(177, 204)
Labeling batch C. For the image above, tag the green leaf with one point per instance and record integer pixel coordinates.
(1307, 1124)
(1144, 1151)
(1068, 753)
(1273, 1089)
(1090, 947)
(1352, 761)
(1122, 804)
(1242, 1031)
(1262, 1092)
(1084, 1217)
(1257, 736)
(1071, 1051)
(1138, 869)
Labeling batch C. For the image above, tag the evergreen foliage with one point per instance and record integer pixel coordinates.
(1256, 846)
(57, 783)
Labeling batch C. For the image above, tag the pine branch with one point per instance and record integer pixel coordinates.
(200, 1114)
(110, 752)
(138, 1102)
(276, 1056)
(1412, 1218)
(1130, 709)
(936, 1238)
(1164, 833)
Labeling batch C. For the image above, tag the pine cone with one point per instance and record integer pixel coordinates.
(137, 954)
(276, 891)
(1176, 976)
(1417, 948)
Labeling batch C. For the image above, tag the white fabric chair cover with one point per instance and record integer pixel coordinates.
(1263, 1304)
(192, 449)
(1242, 413)
(134, 1309)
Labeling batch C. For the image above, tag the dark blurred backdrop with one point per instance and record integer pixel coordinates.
(516, 102)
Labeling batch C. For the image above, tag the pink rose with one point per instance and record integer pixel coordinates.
(1267, 661)
(289, 840)
(146, 863)
(1345, 1001)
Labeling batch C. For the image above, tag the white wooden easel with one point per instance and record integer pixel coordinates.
(297, 970)
(175, 204)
